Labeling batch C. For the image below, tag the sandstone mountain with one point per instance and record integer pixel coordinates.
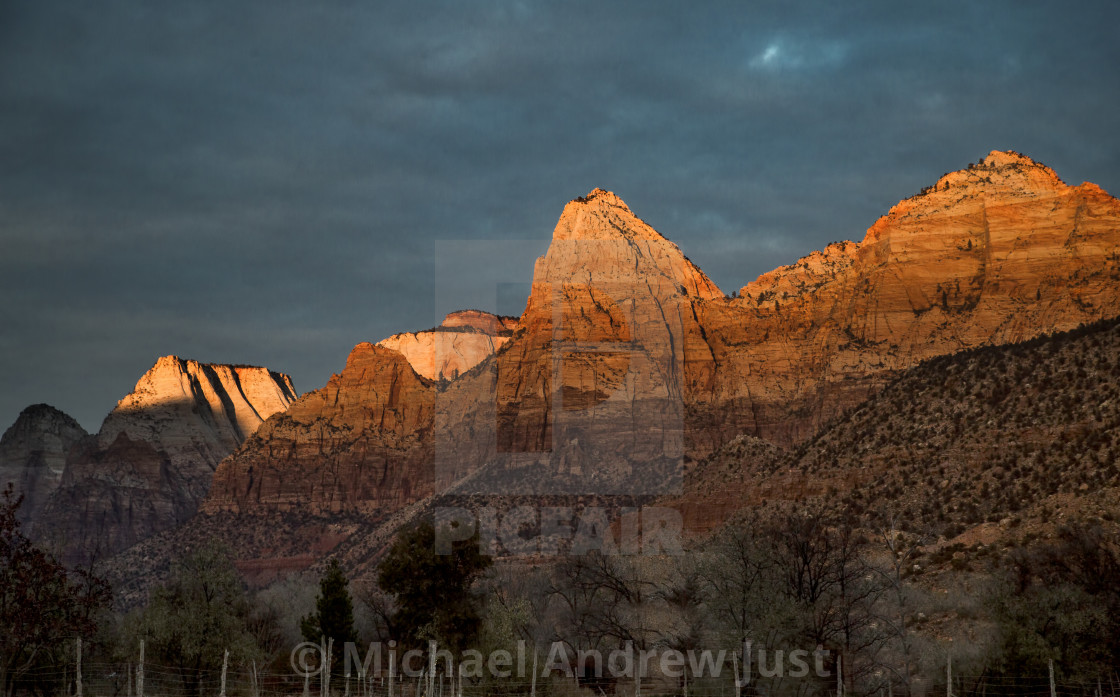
(461, 342)
(152, 461)
(629, 365)
(590, 396)
(362, 443)
(33, 454)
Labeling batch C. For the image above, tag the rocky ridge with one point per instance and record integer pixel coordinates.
(629, 364)
(988, 444)
(361, 443)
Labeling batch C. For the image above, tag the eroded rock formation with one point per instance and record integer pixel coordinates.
(999, 252)
(629, 364)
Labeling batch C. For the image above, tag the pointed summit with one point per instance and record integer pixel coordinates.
(603, 196)
(590, 389)
(599, 241)
(601, 215)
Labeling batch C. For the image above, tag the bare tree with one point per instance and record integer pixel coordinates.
(738, 572)
(899, 552)
(823, 569)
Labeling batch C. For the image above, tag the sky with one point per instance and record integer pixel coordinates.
(271, 182)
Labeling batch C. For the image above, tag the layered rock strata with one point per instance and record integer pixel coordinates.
(362, 443)
(629, 364)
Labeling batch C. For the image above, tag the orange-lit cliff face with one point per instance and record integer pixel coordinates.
(590, 396)
(1000, 252)
(629, 363)
(197, 412)
(361, 443)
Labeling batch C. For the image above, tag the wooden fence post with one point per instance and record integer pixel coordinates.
(225, 667)
(140, 672)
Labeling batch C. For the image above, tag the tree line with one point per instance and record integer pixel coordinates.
(781, 579)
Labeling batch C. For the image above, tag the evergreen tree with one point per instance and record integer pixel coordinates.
(433, 591)
(334, 611)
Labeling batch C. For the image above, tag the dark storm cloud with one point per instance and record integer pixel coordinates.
(266, 182)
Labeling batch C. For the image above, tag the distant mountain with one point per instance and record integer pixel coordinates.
(151, 462)
(33, 454)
